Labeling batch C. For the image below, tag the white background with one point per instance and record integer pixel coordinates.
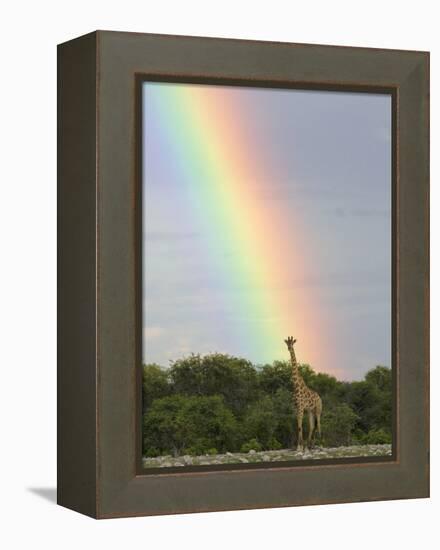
(29, 33)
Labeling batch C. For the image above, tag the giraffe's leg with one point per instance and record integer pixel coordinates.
(311, 430)
(318, 411)
(299, 418)
(318, 425)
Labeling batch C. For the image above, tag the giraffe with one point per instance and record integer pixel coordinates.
(304, 399)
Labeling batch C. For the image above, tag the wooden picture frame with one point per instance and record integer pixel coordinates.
(99, 375)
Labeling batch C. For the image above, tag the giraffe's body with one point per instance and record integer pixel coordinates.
(304, 400)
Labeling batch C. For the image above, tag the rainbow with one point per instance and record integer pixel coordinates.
(216, 155)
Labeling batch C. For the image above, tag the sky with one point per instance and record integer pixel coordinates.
(267, 213)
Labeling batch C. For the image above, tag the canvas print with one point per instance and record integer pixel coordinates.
(266, 275)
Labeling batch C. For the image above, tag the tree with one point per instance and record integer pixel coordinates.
(216, 374)
(380, 377)
(218, 403)
(286, 419)
(180, 424)
(371, 399)
(155, 384)
(327, 387)
(261, 421)
(337, 426)
(308, 374)
(160, 427)
(277, 376)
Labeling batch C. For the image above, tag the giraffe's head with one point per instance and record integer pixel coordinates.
(290, 341)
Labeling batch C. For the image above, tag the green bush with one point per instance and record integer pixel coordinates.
(285, 431)
(155, 384)
(252, 445)
(152, 452)
(371, 399)
(198, 448)
(216, 374)
(274, 444)
(337, 425)
(377, 437)
(221, 403)
(272, 378)
(260, 422)
(191, 424)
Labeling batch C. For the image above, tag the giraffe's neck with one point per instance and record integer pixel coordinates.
(296, 376)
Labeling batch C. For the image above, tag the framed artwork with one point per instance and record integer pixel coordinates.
(243, 274)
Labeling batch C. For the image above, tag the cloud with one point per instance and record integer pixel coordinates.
(170, 236)
(372, 213)
(359, 212)
(153, 333)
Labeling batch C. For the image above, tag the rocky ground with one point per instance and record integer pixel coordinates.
(268, 456)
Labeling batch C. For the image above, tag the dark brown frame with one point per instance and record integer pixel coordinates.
(99, 461)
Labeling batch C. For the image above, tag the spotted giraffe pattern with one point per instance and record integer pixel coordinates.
(304, 400)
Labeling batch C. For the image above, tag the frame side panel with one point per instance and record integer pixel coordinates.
(413, 275)
(76, 369)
